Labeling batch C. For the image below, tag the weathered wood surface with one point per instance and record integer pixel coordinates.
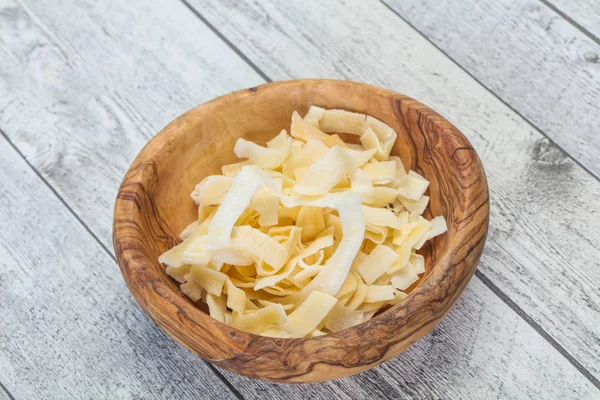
(585, 14)
(545, 213)
(480, 350)
(532, 58)
(4, 394)
(71, 330)
(86, 84)
(69, 327)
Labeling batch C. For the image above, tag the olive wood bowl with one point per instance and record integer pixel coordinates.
(153, 206)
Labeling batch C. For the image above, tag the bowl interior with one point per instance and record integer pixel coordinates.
(155, 199)
(208, 143)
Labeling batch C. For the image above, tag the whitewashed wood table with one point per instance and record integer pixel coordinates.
(84, 84)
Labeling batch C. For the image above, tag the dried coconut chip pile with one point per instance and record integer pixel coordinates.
(308, 235)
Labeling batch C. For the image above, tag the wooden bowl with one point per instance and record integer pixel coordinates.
(153, 206)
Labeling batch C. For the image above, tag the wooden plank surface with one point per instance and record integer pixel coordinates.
(4, 395)
(585, 14)
(481, 350)
(71, 330)
(91, 98)
(545, 214)
(531, 57)
(153, 70)
(45, 61)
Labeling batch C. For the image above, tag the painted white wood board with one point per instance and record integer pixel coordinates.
(527, 54)
(585, 13)
(69, 326)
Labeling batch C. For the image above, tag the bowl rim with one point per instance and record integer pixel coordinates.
(153, 294)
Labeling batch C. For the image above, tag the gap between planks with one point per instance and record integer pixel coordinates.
(227, 42)
(513, 306)
(5, 390)
(571, 21)
(517, 112)
(480, 275)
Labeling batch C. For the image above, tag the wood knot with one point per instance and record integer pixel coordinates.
(592, 57)
(233, 334)
(548, 155)
(462, 155)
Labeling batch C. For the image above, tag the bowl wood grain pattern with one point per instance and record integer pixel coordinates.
(152, 207)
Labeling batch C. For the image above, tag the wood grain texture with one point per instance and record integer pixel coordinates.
(5, 394)
(80, 125)
(585, 13)
(148, 211)
(70, 123)
(82, 95)
(480, 350)
(69, 326)
(83, 80)
(546, 210)
(531, 57)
